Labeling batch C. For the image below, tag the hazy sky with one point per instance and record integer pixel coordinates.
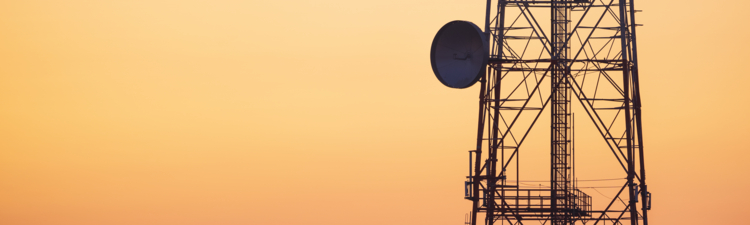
(317, 112)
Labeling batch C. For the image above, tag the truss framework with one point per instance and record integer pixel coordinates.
(546, 55)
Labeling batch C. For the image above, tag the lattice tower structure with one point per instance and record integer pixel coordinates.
(544, 56)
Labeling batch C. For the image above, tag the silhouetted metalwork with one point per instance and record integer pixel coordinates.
(546, 55)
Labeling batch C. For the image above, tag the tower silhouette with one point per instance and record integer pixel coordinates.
(544, 57)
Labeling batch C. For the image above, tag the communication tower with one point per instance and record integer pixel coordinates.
(537, 56)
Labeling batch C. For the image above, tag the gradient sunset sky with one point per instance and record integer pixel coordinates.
(317, 112)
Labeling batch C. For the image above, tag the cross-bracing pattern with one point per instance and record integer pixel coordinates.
(546, 56)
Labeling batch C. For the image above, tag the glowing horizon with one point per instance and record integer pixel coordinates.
(319, 112)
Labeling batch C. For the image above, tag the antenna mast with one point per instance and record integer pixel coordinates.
(543, 56)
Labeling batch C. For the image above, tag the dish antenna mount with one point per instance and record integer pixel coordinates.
(459, 54)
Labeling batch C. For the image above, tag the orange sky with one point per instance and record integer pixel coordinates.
(316, 112)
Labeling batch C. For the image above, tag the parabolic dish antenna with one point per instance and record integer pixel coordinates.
(459, 54)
